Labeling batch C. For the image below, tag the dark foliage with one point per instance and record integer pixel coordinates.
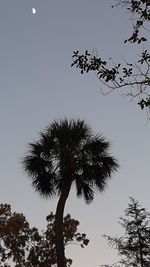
(68, 151)
(27, 247)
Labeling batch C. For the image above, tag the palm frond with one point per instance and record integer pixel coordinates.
(84, 189)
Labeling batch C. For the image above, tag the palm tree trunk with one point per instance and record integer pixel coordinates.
(59, 237)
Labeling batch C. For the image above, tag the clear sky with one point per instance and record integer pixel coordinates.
(37, 85)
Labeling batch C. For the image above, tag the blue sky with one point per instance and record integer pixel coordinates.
(37, 85)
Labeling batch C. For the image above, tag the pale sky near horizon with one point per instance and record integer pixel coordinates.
(37, 85)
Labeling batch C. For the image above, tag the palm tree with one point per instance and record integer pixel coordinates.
(68, 153)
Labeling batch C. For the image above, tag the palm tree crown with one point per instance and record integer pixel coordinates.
(68, 152)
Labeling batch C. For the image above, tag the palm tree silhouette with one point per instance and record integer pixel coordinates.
(68, 153)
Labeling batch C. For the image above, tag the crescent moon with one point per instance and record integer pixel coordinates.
(33, 11)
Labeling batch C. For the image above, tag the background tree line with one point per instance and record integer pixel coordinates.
(26, 246)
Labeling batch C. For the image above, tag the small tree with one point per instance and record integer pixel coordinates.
(134, 246)
(27, 247)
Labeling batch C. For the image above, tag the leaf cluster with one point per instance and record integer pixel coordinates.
(140, 10)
